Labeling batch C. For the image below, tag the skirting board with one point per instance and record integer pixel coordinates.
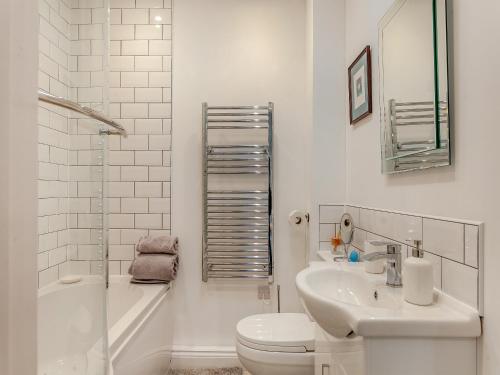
(204, 357)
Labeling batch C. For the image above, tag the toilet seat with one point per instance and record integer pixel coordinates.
(274, 358)
(286, 333)
(286, 344)
(272, 348)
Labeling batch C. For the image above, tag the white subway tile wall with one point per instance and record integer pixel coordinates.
(329, 224)
(88, 75)
(140, 98)
(460, 281)
(53, 144)
(74, 64)
(453, 246)
(445, 238)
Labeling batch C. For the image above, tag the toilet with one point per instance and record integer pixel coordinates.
(276, 344)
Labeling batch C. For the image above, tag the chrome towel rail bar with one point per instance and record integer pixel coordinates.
(222, 205)
(237, 166)
(238, 127)
(232, 253)
(242, 172)
(233, 198)
(263, 107)
(244, 225)
(237, 155)
(89, 112)
(238, 114)
(258, 120)
(237, 146)
(238, 218)
(254, 277)
(237, 192)
(237, 258)
(241, 158)
(239, 230)
(239, 244)
(406, 104)
(228, 268)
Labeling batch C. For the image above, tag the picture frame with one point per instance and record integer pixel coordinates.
(360, 87)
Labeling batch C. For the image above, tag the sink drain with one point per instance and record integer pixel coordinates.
(375, 295)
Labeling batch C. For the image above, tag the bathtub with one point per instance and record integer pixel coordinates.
(71, 322)
(140, 335)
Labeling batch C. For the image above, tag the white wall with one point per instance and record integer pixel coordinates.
(18, 168)
(468, 189)
(236, 52)
(328, 131)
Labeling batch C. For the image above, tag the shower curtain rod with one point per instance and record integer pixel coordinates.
(68, 104)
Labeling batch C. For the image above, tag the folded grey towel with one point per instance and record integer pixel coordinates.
(154, 268)
(158, 245)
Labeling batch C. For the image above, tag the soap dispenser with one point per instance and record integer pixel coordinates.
(418, 283)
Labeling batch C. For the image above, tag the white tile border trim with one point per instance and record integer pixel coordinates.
(441, 218)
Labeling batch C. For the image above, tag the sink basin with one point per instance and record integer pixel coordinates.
(351, 288)
(344, 299)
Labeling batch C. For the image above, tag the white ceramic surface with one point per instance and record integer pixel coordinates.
(140, 327)
(274, 344)
(285, 330)
(71, 339)
(341, 298)
(261, 362)
(70, 335)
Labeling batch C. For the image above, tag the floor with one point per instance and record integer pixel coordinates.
(222, 371)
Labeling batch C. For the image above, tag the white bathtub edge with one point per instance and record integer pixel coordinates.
(121, 332)
(132, 329)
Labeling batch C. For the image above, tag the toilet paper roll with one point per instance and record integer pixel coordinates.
(297, 217)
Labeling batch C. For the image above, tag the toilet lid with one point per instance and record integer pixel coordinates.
(290, 331)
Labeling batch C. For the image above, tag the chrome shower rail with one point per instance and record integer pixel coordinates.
(68, 104)
(237, 224)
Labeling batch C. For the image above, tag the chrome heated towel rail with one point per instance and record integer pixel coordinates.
(237, 222)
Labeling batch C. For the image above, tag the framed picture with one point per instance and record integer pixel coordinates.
(360, 86)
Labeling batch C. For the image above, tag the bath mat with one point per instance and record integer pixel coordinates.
(210, 371)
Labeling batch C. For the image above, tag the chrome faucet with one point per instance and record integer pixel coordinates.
(393, 256)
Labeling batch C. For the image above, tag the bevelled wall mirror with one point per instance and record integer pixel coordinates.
(414, 109)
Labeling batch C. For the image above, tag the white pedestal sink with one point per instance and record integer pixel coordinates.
(400, 338)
